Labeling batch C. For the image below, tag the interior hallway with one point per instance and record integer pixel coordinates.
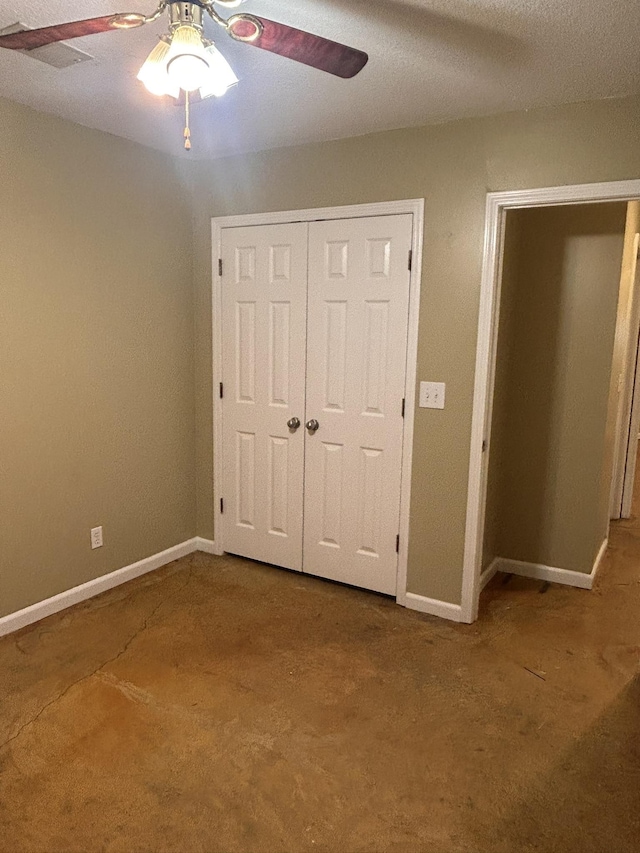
(219, 705)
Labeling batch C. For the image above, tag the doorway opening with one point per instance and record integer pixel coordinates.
(556, 359)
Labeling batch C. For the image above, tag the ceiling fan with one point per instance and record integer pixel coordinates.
(184, 60)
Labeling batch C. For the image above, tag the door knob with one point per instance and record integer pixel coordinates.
(293, 423)
(312, 425)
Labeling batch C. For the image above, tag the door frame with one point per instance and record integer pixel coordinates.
(355, 211)
(628, 418)
(632, 443)
(497, 205)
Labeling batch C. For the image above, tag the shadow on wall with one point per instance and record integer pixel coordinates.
(555, 345)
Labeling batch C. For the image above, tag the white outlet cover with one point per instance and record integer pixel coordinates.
(96, 537)
(432, 395)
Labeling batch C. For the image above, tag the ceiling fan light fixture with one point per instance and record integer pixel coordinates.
(187, 60)
(221, 75)
(245, 27)
(154, 72)
(127, 21)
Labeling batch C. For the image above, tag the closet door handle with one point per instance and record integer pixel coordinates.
(312, 425)
(293, 423)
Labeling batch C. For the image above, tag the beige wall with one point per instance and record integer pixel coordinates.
(96, 343)
(548, 493)
(96, 355)
(452, 166)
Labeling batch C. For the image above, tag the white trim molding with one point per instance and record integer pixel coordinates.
(434, 607)
(538, 571)
(497, 205)
(599, 558)
(208, 546)
(41, 609)
(489, 573)
(315, 214)
(543, 573)
(415, 207)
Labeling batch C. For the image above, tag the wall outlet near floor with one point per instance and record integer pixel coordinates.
(432, 395)
(96, 537)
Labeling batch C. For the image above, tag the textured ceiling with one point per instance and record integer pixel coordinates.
(430, 61)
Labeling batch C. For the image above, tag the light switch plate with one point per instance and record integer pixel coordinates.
(432, 395)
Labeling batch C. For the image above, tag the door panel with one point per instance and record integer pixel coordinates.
(264, 294)
(358, 308)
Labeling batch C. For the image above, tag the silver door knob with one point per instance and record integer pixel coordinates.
(293, 423)
(312, 425)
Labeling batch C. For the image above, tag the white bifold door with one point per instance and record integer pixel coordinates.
(314, 342)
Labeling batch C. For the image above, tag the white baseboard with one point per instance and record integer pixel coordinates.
(208, 546)
(488, 573)
(21, 618)
(599, 558)
(35, 612)
(434, 607)
(550, 573)
(544, 573)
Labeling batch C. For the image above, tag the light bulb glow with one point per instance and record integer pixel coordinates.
(187, 60)
(220, 77)
(188, 72)
(185, 63)
(154, 72)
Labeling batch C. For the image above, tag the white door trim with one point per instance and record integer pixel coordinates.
(630, 446)
(385, 208)
(497, 204)
(630, 420)
(629, 330)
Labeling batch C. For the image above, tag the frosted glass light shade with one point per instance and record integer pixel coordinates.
(154, 72)
(220, 77)
(186, 64)
(187, 61)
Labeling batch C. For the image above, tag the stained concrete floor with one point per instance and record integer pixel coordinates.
(219, 705)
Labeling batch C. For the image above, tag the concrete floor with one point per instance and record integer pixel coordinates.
(219, 705)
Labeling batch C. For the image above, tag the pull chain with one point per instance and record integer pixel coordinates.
(187, 131)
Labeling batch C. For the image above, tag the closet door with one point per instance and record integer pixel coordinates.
(356, 361)
(264, 295)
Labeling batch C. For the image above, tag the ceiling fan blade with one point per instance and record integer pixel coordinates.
(318, 52)
(31, 39)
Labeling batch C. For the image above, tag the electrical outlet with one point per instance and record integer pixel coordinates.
(432, 395)
(96, 537)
